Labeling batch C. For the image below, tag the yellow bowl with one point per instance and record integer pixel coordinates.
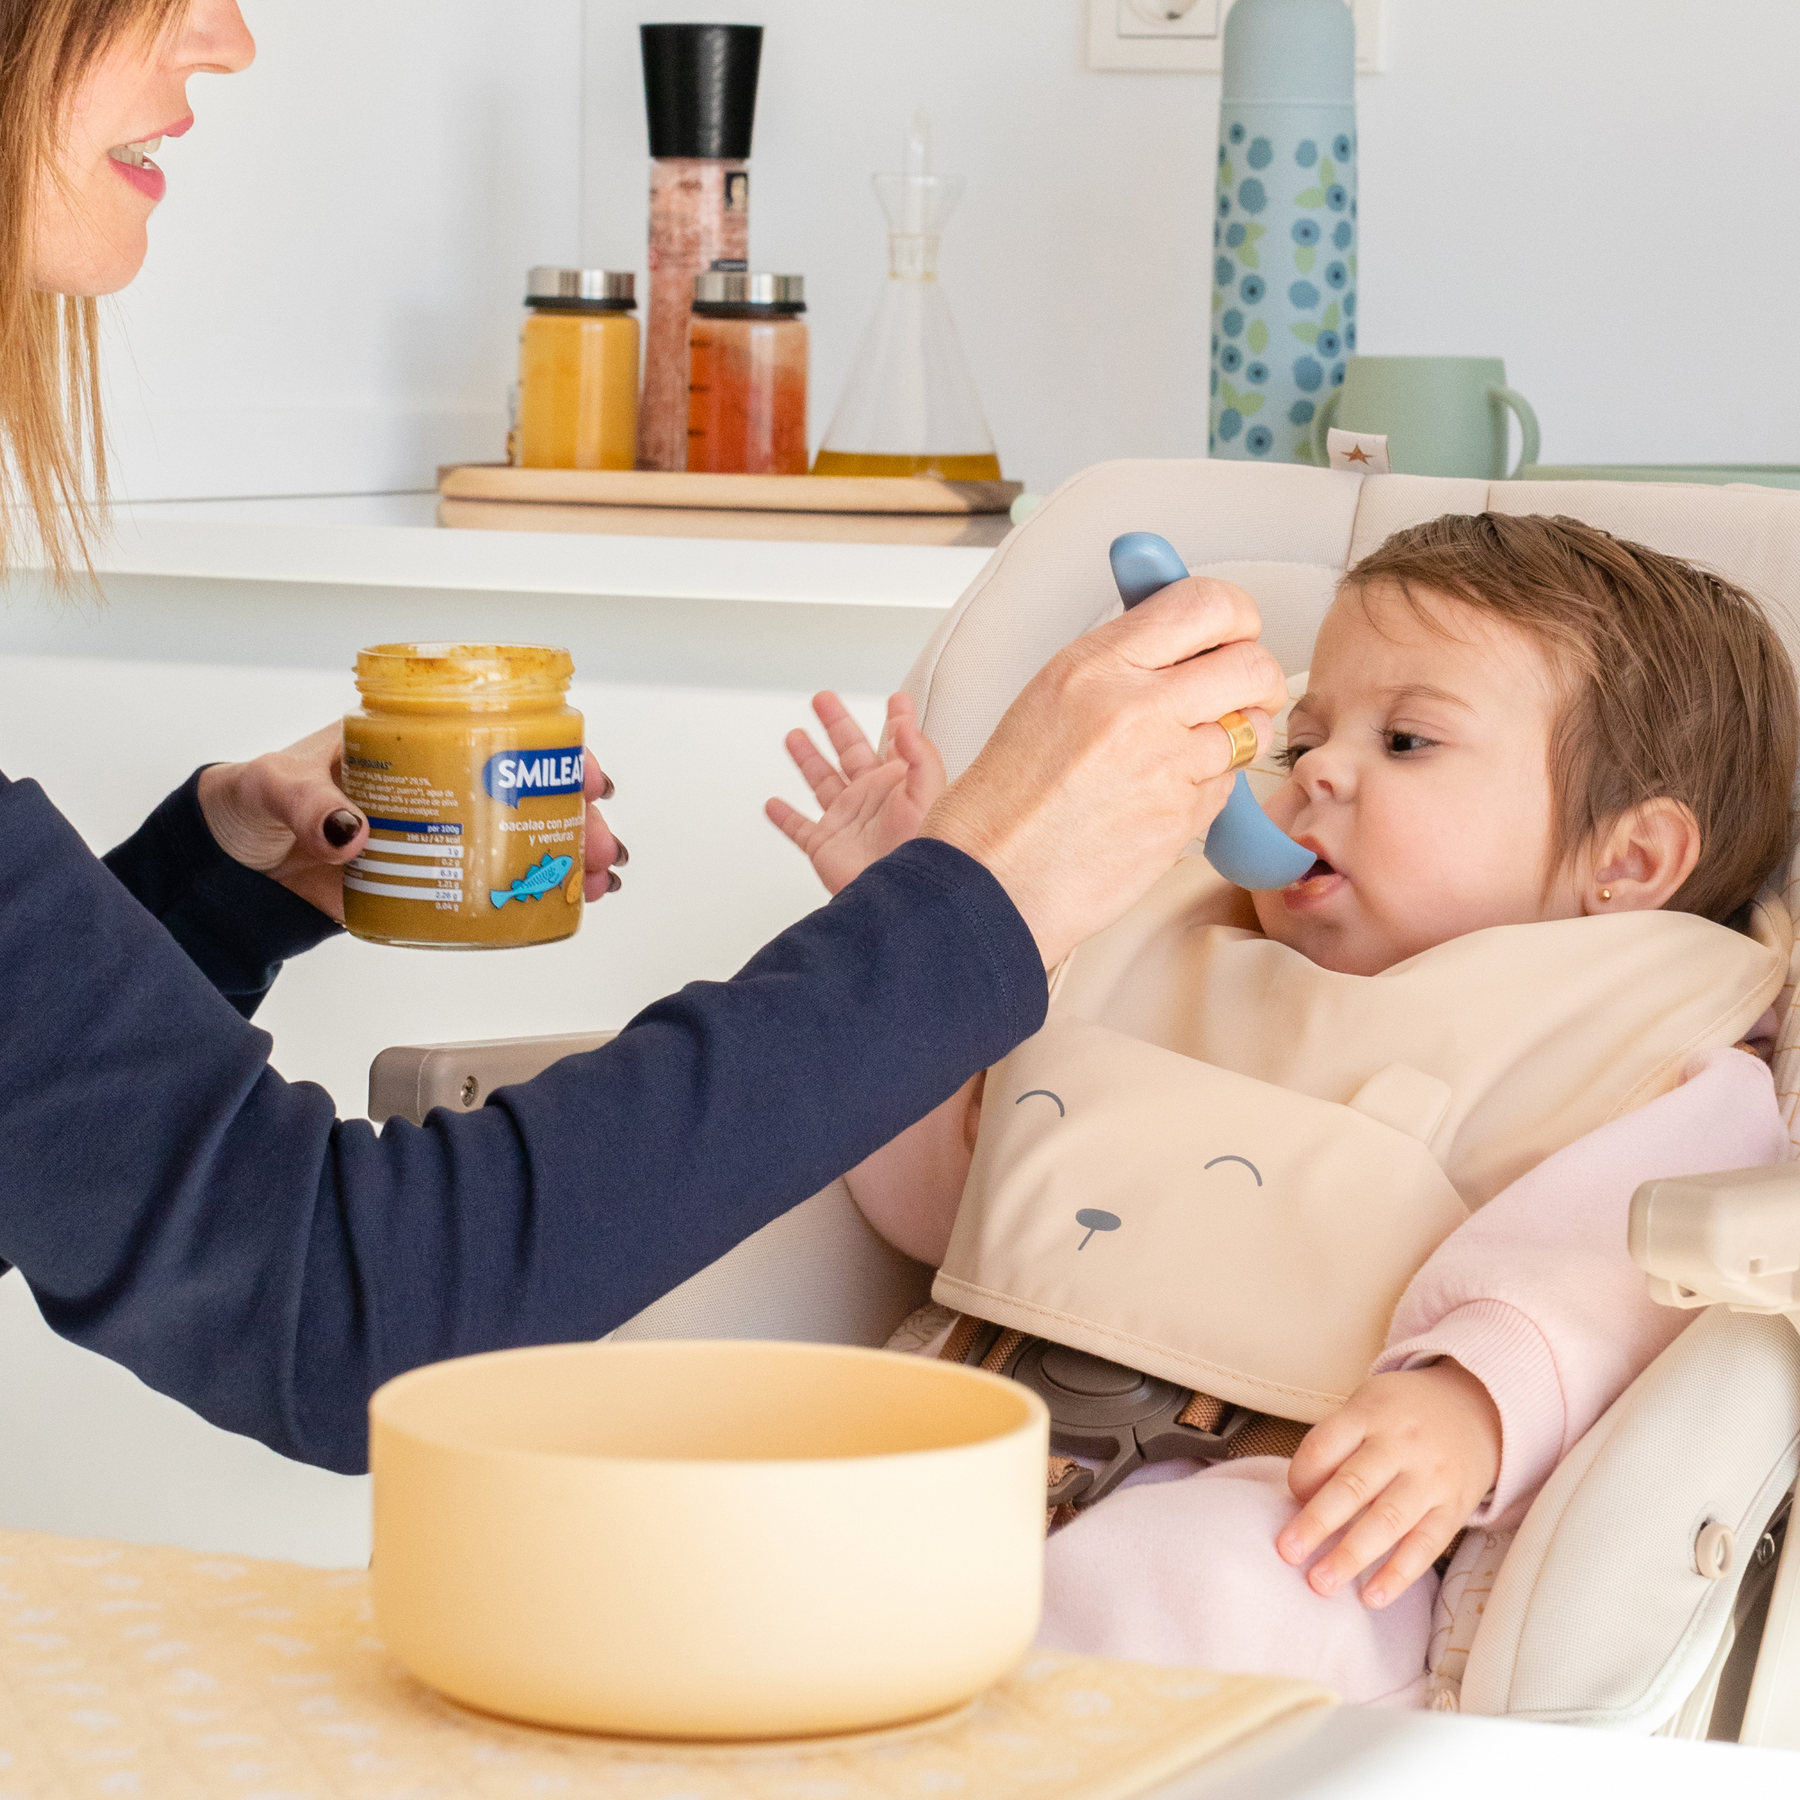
(707, 1540)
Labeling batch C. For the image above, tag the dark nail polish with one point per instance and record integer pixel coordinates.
(623, 857)
(607, 792)
(613, 883)
(341, 827)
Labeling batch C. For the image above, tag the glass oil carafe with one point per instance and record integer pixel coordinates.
(910, 407)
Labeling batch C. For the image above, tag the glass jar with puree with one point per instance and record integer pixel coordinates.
(467, 760)
(578, 371)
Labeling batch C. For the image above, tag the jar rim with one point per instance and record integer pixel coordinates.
(720, 309)
(452, 670)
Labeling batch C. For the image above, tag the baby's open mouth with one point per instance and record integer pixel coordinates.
(1318, 881)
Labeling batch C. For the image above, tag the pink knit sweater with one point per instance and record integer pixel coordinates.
(1536, 1296)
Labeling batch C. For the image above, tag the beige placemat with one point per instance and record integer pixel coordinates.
(133, 1673)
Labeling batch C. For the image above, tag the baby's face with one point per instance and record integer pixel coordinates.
(1420, 779)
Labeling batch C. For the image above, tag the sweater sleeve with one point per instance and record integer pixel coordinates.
(1536, 1296)
(179, 1207)
(237, 927)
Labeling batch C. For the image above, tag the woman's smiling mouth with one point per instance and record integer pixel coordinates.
(132, 160)
(138, 154)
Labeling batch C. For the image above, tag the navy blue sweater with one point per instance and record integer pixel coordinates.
(178, 1206)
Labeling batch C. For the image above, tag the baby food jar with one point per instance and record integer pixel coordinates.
(747, 374)
(467, 760)
(578, 370)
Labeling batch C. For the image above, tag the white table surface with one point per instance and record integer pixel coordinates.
(1359, 1753)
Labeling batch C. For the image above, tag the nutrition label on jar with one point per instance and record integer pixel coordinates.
(409, 859)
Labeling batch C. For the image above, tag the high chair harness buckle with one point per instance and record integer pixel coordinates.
(1101, 1409)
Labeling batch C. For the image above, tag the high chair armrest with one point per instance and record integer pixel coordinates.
(407, 1081)
(1731, 1238)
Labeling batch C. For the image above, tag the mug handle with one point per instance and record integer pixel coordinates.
(1528, 425)
(1328, 408)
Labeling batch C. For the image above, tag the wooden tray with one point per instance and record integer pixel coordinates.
(969, 531)
(726, 493)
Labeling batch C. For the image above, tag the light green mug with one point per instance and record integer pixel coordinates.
(1443, 415)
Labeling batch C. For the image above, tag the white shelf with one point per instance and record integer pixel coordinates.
(392, 541)
(304, 583)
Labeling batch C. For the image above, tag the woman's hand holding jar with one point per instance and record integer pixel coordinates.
(286, 816)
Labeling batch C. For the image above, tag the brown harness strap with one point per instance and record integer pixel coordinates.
(1202, 1412)
(1056, 1517)
(1266, 1435)
(1261, 1435)
(1004, 1345)
(961, 1339)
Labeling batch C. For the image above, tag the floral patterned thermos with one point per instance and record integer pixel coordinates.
(1284, 232)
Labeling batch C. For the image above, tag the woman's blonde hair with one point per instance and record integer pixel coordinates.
(52, 446)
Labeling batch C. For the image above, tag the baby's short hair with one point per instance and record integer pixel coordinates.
(1677, 683)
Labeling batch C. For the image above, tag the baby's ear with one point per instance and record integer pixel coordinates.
(1645, 858)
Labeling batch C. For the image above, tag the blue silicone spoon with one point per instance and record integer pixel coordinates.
(1244, 844)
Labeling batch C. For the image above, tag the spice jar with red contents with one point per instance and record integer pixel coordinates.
(747, 374)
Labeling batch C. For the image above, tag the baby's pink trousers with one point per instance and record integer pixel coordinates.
(1179, 1566)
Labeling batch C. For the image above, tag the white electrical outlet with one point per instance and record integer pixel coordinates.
(1167, 18)
(1186, 35)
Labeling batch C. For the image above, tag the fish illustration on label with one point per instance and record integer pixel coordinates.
(537, 881)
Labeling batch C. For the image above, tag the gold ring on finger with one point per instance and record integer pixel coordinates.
(1243, 740)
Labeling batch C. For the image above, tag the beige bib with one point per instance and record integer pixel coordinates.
(1221, 1164)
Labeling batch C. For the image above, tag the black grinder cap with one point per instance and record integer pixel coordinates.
(700, 88)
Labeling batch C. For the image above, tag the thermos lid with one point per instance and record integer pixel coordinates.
(700, 88)
(738, 287)
(581, 290)
(1289, 50)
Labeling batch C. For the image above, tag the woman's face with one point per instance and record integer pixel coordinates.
(90, 235)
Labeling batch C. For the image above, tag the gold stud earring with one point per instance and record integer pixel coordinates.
(1606, 893)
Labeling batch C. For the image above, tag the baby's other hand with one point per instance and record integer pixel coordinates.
(1408, 1457)
(872, 804)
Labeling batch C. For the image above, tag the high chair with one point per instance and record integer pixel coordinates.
(1654, 1585)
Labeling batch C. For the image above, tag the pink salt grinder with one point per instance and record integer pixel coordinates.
(700, 92)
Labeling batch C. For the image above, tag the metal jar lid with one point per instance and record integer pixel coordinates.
(738, 287)
(581, 290)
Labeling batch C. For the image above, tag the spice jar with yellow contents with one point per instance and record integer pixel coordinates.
(578, 370)
(468, 761)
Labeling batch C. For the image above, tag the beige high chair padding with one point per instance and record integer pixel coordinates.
(1649, 1588)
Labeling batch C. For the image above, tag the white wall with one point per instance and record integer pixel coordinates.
(1598, 192)
(332, 296)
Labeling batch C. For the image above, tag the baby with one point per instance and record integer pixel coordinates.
(1508, 721)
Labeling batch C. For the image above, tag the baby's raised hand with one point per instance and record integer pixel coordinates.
(872, 804)
(1408, 1457)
